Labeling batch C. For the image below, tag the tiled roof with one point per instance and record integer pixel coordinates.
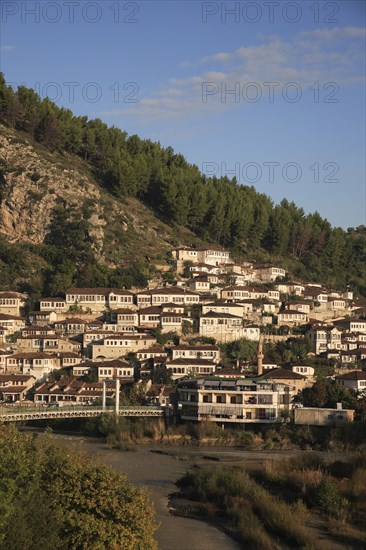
(282, 374)
(185, 361)
(354, 375)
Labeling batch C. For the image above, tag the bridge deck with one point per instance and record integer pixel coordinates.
(18, 414)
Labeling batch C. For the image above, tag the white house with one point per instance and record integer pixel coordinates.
(98, 299)
(182, 367)
(53, 304)
(304, 370)
(38, 364)
(323, 338)
(119, 345)
(355, 380)
(292, 317)
(176, 294)
(126, 319)
(223, 306)
(202, 351)
(11, 323)
(211, 256)
(221, 326)
(251, 332)
(12, 303)
(268, 273)
(227, 400)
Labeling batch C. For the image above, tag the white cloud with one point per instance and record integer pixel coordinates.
(323, 55)
(7, 48)
(214, 75)
(335, 34)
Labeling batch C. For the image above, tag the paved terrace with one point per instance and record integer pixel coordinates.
(15, 413)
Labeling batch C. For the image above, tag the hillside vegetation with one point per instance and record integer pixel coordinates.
(91, 205)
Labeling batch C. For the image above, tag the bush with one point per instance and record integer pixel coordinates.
(328, 498)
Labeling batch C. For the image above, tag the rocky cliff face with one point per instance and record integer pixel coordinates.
(33, 181)
(32, 185)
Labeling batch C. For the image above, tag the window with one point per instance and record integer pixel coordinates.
(221, 399)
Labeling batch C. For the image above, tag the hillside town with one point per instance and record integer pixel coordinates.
(167, 342)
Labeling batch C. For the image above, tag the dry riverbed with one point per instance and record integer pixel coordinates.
(158, 467)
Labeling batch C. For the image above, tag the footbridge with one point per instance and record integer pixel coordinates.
(13, 413)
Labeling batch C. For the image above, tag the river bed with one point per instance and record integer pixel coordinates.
(157, 468)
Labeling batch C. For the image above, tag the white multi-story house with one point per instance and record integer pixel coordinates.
(38, 364)
(203, 351)
(14, 387)
(323, 338)
(53, 304)
(12, 303)
(317, 295)
(69, 391)
(292, 317)
(303, 307)
(304, 370)
(126, 319)
(119, 345)
(221, 326)
(238, 293)
(69, 326)
(115, 369)
(222, 306)
(68, 358)
(149, 317)
(240, 400)
(4, 354)
(251, 332)
(357, 325)
(336, 303)
(290, 288)
(98, 299)
(268, 273)
(172, 322)
(177, 295)
(42, 318)
(201, 283)
(211, 256)
(152, 352)
(179, 368)
(11, 323)
(95, 336)
(49, 343)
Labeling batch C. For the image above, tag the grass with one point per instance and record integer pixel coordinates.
(336, 491)
(275, 506)
(251, 513)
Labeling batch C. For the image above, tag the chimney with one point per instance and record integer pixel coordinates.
(260, 357)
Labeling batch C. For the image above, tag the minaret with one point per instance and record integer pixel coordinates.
(260, 357)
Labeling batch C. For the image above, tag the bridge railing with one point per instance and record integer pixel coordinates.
(14, 410)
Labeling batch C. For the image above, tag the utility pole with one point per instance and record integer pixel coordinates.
(104, 399)
(117, 395)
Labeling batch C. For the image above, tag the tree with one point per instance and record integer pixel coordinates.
(50, 498)
(47, 131)
(326, 394)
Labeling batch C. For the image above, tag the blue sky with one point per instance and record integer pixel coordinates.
(294, 124)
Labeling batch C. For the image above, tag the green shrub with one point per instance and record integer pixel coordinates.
(328, 498)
